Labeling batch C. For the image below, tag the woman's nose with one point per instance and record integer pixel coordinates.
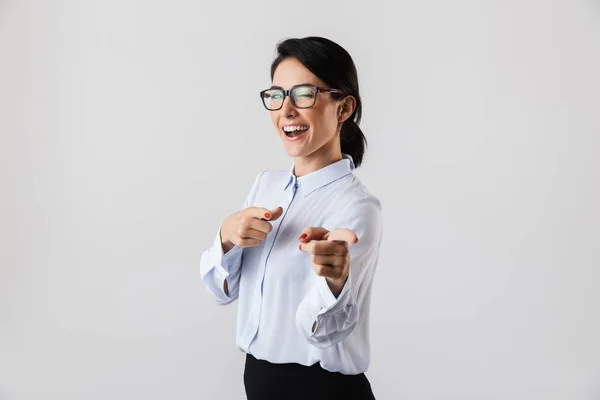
(287, 108)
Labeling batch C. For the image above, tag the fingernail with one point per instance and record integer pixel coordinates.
(300, 247)
(304, 235)
(267, 215)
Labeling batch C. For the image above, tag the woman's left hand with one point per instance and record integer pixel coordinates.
(329, 254)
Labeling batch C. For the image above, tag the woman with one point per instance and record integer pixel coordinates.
(301, 253)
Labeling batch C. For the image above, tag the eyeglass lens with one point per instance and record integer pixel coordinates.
(302, 97)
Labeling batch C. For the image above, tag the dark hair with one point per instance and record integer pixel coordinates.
(332, 64)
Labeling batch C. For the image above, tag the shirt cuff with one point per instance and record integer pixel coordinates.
(222, 262)
(328, 300)
(321, 301)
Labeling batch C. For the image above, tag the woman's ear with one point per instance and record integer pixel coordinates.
(346, 108)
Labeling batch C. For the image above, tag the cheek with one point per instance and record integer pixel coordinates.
(325, 121)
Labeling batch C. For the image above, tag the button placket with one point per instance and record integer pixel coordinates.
(253, 323)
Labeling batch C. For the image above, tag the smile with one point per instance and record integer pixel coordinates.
(293, 132)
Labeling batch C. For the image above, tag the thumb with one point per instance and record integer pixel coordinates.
(341, 234)
(275, 214)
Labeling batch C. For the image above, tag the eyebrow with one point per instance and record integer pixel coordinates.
(300, 84)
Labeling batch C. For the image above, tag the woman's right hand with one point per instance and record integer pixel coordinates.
(248, 227)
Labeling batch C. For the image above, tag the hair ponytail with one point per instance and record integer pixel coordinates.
(353, 141)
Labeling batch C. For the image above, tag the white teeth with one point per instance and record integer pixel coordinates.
(295, 128)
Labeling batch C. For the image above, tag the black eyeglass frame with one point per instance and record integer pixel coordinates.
(287, 93)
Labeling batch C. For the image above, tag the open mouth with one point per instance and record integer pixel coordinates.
(295, 130)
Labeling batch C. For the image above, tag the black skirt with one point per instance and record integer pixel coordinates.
(265, 381)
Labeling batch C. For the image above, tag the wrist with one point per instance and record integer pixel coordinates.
(226, 244)
(336, 285)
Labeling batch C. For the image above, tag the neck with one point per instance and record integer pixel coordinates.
(326, 155)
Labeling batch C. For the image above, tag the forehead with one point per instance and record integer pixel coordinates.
(291, 72)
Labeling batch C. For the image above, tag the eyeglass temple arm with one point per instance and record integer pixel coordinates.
(327, 90)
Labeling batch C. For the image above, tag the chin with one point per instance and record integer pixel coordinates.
(293, 149)
(294, 152)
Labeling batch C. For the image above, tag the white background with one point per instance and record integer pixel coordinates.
(130, 130)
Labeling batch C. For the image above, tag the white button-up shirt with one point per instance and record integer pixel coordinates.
(280, 295)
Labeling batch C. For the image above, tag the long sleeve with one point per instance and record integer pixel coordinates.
(337, 317)
(216, 267)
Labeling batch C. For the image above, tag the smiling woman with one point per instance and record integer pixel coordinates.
(301, 253)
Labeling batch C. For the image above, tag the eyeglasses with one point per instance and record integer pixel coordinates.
(301, 96)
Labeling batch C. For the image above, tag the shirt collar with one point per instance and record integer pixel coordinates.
(321, 177)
